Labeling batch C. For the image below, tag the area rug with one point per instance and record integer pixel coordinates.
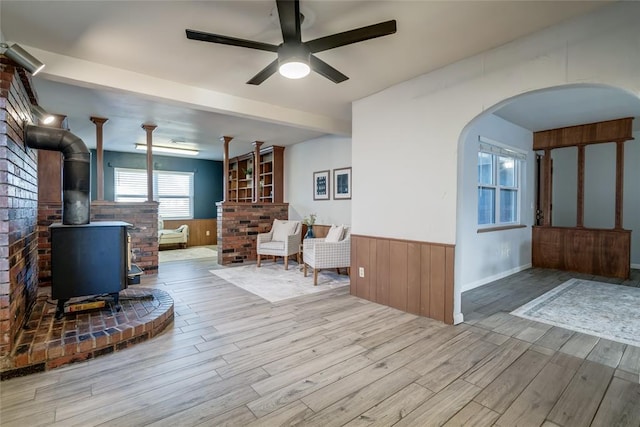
(595, 308)
(273, 283)
(184, 254)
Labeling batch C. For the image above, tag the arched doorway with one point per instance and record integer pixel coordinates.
(485, 253)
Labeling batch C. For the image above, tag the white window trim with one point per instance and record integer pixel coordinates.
(155, 188)
(496, 148)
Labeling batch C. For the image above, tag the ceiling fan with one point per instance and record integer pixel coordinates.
(295, 57)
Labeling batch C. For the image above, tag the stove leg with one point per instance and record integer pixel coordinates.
(116, 301)
(60, 309)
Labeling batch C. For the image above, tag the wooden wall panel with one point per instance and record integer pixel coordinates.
(382, 270)
(425, 280)
(319, 230)
(49, 176)
(197, 230)
(593, 251)
(398, 275)
(448, 284)
(373, 276)
(592, 133)
(437, 281)
(413, 277)
(416, 277)
(578, 250)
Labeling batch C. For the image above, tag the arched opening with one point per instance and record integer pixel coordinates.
(489, 252)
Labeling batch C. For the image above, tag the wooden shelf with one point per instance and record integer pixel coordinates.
(270, 170)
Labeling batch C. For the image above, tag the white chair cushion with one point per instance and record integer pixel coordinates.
(282, 230)
(335, 233)
(273, 245)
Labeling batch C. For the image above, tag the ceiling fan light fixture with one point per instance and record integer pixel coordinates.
(293, 61)
(294, 69)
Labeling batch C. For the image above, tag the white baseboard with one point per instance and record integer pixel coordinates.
(635, 266)
(458, 318)
(484, 281)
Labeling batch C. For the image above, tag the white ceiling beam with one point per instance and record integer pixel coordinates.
(84, 73)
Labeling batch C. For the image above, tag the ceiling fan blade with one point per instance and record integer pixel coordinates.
(264, 74)
(326, 70)
(289, 14)
(232, 41)
(352, 36)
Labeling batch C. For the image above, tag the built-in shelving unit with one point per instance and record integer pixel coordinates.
(269, 185)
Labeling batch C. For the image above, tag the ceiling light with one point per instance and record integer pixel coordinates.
(23, 58)
(42, 115)
(293, 61)
(294, 69)
(172, 150)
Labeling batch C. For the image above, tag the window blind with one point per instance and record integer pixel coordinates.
(489, 146)
(171, 189)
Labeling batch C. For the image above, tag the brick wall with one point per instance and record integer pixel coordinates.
(238, 225)
(48, 213)
(18, 206)
(144, 234)
(144, 241)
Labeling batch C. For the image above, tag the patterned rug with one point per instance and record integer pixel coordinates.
(189, 253)
(273, 283)
(595, 308)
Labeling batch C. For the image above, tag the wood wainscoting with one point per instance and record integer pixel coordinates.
(197, 230)
(416, 277)
(584, 250)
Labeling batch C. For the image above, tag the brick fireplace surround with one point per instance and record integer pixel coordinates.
(30, 339)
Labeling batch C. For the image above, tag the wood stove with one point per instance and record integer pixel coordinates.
(88, 259)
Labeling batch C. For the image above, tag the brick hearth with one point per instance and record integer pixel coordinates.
(46, 343)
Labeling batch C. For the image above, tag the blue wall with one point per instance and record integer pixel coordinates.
(207, 176)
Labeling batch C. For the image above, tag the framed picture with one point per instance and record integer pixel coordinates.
(321, 187)
(342, 184)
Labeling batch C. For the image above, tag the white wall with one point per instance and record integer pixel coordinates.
(600, 185)
(484, 257)
(405, 138)
(564, 187)
(301, 160)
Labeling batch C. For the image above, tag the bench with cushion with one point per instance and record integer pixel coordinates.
(178, 236)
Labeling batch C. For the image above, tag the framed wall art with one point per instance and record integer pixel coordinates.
(342, 184)
(321, 187)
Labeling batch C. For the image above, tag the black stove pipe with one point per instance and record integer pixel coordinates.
(76, 174)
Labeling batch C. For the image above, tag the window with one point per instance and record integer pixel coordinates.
(499, 184)
(173, 190)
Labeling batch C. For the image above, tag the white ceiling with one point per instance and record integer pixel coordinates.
(131, 62)
(569, 106)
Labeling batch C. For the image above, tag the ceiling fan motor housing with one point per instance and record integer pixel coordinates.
(295, 57)
(288, 52)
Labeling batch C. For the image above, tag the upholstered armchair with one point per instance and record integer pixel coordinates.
(178, 236)
(283, 240)
(333, 251)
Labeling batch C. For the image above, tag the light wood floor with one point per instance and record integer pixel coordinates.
(331, 359)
